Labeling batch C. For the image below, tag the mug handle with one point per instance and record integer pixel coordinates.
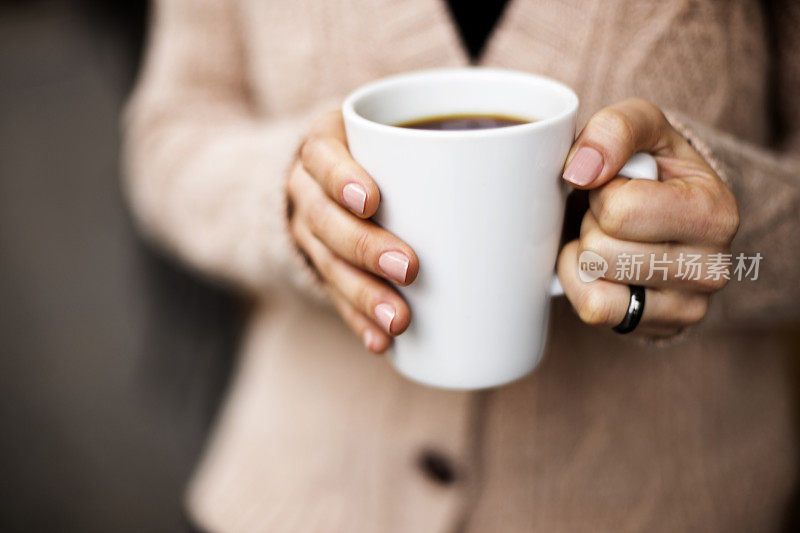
(641, 166)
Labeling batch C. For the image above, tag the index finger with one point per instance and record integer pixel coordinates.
(694, 209)
(325, 157)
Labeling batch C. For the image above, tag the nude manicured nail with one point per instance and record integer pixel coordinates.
(355, 197)
(384, 314)
(584, 167)
(394, 265)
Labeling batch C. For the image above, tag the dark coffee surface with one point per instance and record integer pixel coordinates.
(463, 122)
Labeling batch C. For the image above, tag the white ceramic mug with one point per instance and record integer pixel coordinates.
(482, 209)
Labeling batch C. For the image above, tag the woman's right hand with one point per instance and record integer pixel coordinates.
(330, 198)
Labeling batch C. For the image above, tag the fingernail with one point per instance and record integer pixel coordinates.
(384, 314)
(584, 167)
(394, 265)
(370, 340)
(355, 197)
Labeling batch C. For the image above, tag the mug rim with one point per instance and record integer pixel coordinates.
(350, 114)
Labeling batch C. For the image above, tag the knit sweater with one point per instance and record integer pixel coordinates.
(607, 434)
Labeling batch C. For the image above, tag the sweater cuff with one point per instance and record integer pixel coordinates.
(279, 249)
(699, 144)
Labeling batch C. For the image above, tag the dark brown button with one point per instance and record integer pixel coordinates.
(436, 466)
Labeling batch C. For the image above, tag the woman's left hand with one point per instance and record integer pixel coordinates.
(662, 225)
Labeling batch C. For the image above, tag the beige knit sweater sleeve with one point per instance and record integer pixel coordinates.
(205, 173)
(766, 183)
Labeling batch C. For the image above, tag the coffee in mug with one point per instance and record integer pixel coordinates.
(463, 122)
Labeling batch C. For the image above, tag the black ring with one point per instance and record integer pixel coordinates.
(635, 311)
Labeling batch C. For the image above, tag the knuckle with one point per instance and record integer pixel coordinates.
(727, 217)
(704, 204)
(614, 212)
(330, 119)
(713, 283)
(364, 297)
(327, 116)
(311, 147)
(652, 111)
(614, 123)
(594, 240)
(593, 308)
(316, 213)
(718, 214)
(717, 284)
(653, 116)
(700, 206)
(324, 264)
(696, 310)
(588, 224)
(361, 246)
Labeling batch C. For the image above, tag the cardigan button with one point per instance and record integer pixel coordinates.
(436, 466)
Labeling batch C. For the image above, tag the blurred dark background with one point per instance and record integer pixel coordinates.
(111, 358)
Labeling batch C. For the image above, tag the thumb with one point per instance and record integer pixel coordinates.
(611, 137)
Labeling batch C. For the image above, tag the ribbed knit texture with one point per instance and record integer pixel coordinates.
(608, 434)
